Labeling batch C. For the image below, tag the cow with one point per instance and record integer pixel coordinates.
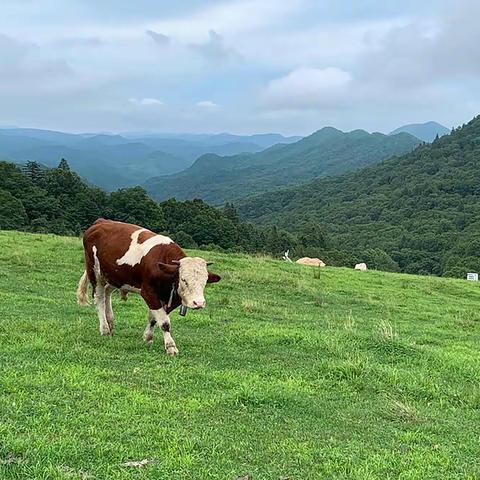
(315, 262)
(133, 259)
(361, 266)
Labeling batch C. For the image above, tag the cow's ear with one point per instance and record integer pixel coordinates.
(213, 278)
(170, 270)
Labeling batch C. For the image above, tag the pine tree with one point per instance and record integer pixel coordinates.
(64, 165)
(34, 172)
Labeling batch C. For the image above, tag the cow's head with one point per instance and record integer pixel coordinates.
(192, 278)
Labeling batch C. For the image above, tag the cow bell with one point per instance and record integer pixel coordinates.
(183, 310)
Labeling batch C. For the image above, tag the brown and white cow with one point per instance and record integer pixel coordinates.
(133, 259)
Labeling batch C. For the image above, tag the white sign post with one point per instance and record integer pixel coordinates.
(473, 277)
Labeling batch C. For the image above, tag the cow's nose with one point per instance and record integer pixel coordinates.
(199, 303)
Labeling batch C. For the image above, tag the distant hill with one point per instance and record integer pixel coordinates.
(328, 151)
(260, 140)
(115, 161)
(422, 209)
(423, 131)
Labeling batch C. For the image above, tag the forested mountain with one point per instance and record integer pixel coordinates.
(37, 199)
(424, 131)
(328, 151)
(420, 211)
(115, 161)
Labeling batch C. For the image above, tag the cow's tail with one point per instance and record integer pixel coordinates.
(82, 290)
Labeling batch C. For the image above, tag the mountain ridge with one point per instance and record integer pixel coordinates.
(112, 161)
(427, 131)
(327, 151)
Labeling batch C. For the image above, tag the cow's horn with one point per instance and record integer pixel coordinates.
(176, 262)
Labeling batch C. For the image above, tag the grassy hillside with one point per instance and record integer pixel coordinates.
(290, 372)
(327, 152)
(422, 209)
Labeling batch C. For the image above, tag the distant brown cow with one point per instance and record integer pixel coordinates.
(315, 262)
(133, 259)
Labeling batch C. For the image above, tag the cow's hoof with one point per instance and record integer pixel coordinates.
(171, 350)
(106, 332)
(148, 338)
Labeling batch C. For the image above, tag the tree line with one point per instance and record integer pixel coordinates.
(34, 198)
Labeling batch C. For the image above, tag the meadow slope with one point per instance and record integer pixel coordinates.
(288, 372)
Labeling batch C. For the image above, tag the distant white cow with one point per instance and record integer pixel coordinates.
(314, 262)
(361, 266)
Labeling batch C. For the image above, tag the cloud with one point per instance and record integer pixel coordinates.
(304, 64)
(25, 69)
(215, 49)
(306, 88)
(70, 41)
(158, 38)
(146, 102)
(233, 16)
(425, 52)
(401, 73)
(207, 104)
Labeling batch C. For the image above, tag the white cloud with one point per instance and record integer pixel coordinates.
(306, 88)
(207, 104)
(146, 102)
(27, 70)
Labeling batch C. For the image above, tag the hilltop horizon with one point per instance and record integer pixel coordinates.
(198, 134)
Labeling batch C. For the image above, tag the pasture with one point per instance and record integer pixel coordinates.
(290, 372)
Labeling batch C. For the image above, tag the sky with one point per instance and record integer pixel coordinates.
(239, 66)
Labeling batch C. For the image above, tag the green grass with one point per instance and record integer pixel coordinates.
(288, 372)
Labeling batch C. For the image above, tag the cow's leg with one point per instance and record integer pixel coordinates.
(163, 321)
(99, 294)
(100, 304)
(108, 306)
(148, 333)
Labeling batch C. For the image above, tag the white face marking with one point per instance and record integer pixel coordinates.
(136, 251)
(192, 279)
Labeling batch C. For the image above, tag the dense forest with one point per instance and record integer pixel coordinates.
(329, 151)
(37, 199)
(420, 212)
